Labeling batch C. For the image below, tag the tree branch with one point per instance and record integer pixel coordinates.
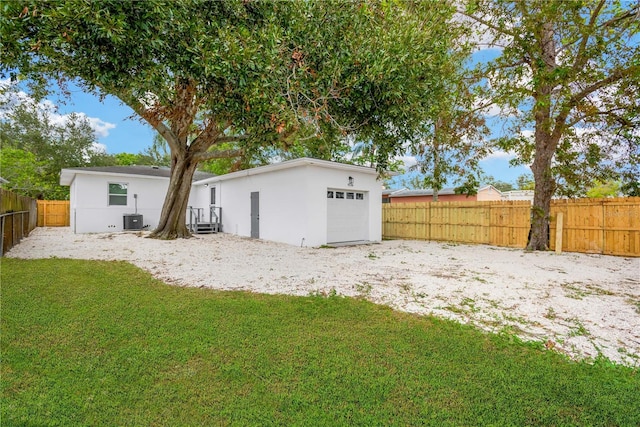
(613, 77)
(611, 112)
(155, 122)
(560, 121)
(489, 24)
(628, 14)
(218, 154)
(580, 58)
(232, 138)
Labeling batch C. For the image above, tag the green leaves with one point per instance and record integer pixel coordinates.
(34, 147)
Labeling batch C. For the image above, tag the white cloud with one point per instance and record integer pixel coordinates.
(10, 99)
(99, 148)
(407, 161)
(500, 154)
(100, 127)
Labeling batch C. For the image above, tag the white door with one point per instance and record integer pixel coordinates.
(347, 215)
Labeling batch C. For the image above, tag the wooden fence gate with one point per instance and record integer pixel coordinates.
(53, 213)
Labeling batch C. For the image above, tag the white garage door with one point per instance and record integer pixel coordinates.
(347, 216)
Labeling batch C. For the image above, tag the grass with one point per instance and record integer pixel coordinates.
(103, 343)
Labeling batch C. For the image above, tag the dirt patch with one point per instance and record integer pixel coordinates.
(583, 305)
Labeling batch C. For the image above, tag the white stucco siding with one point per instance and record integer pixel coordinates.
(282, 209)
(90, 210)
(293, 203)
(324, 179)
(73, 199)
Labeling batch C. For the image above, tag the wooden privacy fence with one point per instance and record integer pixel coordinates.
(53, 213)
(492, 223)
(18, 217)
(605, 226)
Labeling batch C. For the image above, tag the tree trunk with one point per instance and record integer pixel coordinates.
(173, 222)
(437, 171)
(546, 142)
(540, 211)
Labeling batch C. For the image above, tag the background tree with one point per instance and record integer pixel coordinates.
(570, 70)
(253, 74)
(452, 140)
(498, 184)
(35, 147)
(155, 155)
(525, 182)
(631, 188)
(605, 189)
(23, 172)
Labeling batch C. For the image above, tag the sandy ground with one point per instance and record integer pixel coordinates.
(582, 305)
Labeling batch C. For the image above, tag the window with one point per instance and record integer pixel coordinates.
(213, 195)
(350, 196)
(117, 194)
(339, 195)
(359, 196)
(329, 194)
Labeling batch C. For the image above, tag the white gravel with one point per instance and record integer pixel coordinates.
(583, 305)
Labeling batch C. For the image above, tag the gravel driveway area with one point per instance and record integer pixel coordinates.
(582, 305)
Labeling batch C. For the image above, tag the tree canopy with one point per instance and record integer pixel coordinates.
(453, 138)
(34, 146)
(569, 70)
(219, 79)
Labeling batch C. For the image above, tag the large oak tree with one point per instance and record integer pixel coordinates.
(219, 78)
(570, 70)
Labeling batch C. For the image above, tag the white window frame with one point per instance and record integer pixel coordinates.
(125, 195)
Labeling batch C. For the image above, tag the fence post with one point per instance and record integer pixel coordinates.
(559, 220)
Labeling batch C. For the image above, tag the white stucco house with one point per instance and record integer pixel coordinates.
(100, 197)
(304, 202)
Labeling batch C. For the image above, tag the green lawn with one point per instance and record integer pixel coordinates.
(103, 343)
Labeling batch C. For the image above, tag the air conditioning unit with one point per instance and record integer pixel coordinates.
(132, 222)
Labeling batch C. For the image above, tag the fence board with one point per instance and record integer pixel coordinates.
(605, 226)
(53, 213)
(18, 216)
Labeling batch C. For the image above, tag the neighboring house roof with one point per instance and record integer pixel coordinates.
(489, 187)
(305, 161)
(428, 192)
(416, 193)
(67, 175)
(518, 195)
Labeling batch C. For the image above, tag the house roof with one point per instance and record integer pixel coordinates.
(428, 192)
(414, 193)
(68, 175)
(304, 161)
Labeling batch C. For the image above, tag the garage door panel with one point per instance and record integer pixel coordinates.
(347, 218)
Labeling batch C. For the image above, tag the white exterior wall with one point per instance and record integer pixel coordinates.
(283, 200)
(90, 210)
(518, 195)
(324, 178)
(293, 202)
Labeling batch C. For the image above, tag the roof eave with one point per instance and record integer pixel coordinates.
(304, 161)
